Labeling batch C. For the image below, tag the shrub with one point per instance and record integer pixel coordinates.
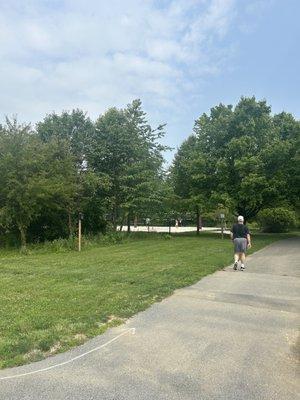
(276, 219)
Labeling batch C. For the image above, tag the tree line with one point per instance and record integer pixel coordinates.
(238, 159)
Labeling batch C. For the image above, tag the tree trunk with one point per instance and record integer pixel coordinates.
(22, 230)
(198, 219)
(114, 220)
(70, 224)
(115, 216)
(128, 222)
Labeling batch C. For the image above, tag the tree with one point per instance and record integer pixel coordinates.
(76, 131)
(240, 158)
(287, 153)
(190, 187)
(17, 166)
(33, 176)
(126, 149)
(74, 128)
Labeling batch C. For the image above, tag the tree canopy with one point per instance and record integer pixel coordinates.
(242, 158)
(110, 170)
(238, 160)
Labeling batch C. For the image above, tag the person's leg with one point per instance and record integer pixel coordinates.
(243, 258)
(236, 260)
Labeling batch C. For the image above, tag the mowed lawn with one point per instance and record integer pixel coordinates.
(51, 302)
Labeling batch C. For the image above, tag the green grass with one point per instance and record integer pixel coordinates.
(52, 301)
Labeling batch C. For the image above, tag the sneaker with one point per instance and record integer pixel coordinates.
(235, 265)
(242, 267)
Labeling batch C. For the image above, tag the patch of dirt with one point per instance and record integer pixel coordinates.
(33, 355)
(54, 349)
(80, 337)
(111, 319)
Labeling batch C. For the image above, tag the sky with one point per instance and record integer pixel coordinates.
(180, 57)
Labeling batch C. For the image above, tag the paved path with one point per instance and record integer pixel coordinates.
(231, 336)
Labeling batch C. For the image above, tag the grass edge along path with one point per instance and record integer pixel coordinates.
(54, 301)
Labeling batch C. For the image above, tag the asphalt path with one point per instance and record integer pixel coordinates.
(233, 335)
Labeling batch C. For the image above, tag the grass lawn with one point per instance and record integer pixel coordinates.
(51, 301)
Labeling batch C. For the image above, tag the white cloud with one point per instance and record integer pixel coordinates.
(62, 54)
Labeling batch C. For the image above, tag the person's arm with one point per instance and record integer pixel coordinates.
(248, 239)
(231, 234)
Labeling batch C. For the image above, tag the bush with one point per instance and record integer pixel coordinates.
(276, 219)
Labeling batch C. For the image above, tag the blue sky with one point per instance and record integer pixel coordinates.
(180, 57)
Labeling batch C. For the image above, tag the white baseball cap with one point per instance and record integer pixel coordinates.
(240, 218)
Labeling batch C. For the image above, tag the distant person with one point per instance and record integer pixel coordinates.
(241, 240)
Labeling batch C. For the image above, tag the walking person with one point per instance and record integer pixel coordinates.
(241, 240)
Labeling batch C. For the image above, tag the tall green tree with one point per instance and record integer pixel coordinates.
(34, 177)
(240, 158)
(76, 131)
(191, 184)
(73, 127)
(127, 150)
